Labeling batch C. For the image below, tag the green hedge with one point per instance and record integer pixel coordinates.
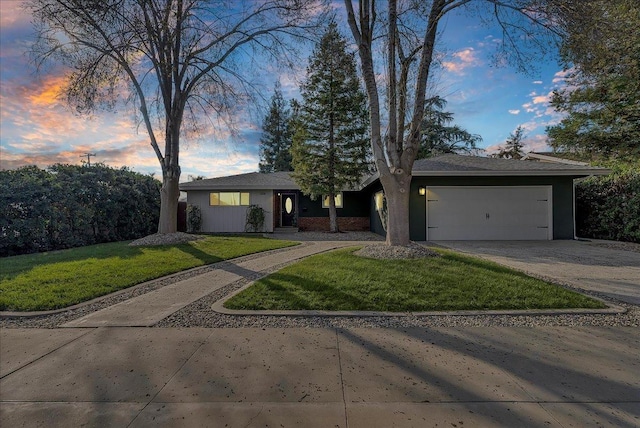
(609, 207)
(70, 206)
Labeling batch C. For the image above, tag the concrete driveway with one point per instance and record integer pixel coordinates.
(589, 265)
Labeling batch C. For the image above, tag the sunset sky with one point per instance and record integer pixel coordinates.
(37, 128)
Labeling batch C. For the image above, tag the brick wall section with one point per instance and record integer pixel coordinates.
(345, 224)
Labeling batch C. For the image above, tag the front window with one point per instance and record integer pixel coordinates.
(338, 199)
(229, 199)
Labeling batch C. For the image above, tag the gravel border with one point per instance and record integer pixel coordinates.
(200, 314)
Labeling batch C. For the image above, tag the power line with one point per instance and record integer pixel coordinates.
(88, 156)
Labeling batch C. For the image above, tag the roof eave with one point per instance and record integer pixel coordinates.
(573, 172)
(239, 187)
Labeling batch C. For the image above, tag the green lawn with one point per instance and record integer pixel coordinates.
(62, 278)
(340, 280)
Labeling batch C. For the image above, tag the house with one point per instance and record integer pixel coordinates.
(453, 197)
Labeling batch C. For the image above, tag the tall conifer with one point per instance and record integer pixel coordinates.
(331, 143)
(275, 143)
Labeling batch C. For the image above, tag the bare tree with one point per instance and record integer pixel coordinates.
(408, 34)
(175, 59)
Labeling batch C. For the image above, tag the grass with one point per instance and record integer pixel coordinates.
(63, 278)
(342, 281)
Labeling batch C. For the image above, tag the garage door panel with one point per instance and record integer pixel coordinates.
(489, 213)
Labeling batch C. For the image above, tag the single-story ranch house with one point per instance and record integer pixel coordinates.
(453, 197)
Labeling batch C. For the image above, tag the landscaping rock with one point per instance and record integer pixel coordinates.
(165, 239)
(411, 251)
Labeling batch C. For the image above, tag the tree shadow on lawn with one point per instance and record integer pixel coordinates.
(11, 267)
(308, 298)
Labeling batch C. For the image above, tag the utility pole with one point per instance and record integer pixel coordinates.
(88, 155)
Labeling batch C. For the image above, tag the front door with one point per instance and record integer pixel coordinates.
(288, 209)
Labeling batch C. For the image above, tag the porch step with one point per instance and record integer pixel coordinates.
(285, 230)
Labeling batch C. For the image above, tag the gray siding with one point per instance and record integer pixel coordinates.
(231, 219)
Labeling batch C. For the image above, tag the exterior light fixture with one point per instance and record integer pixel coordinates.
(422, 191)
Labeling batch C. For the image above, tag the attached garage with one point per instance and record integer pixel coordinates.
(454, 197)
(489, 213)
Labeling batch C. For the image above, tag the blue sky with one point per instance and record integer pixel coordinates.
(37, 128)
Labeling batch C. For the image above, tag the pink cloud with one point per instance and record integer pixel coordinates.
(12, 13)
(539, 99)
(462, 60)
(561, 76)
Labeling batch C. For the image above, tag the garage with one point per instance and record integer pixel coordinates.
(489, 213)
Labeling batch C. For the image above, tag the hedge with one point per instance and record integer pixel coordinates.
(609, 207)
(70, 206)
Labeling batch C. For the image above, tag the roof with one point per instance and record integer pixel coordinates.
(552, 157)
(451, 164)
(444, 165)
(249, 181)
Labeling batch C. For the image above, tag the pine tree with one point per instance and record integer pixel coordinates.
(275, 143)
(439, 136)
(331, 144)
(513, 147)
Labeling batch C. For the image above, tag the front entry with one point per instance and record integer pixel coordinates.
(287, 209)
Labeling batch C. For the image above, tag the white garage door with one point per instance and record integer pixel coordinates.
(489, 213)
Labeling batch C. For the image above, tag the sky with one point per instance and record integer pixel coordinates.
(37, 128)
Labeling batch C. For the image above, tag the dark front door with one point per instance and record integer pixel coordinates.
(288, 209)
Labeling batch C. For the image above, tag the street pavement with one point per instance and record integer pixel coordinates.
(453, 377)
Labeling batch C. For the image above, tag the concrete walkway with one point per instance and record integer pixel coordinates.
(587, 265)
(462, 377)
(147, 309)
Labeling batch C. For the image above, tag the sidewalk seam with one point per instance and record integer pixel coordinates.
(170, 378)
(344, 400)
(48, 353)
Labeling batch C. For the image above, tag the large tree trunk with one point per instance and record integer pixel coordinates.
(170, 191)
(396, 190)
(169, 194)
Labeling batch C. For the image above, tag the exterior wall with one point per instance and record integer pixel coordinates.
(562, 189)
(354, 216)
(231, 219)
(345, 224)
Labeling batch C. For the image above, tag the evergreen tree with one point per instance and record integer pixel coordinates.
(331, 142)
(275, 143)
(439, 136)
(513, 147)
(601, 54)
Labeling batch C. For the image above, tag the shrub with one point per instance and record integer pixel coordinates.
(609, 207)
(194, 218)
(255, 219)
